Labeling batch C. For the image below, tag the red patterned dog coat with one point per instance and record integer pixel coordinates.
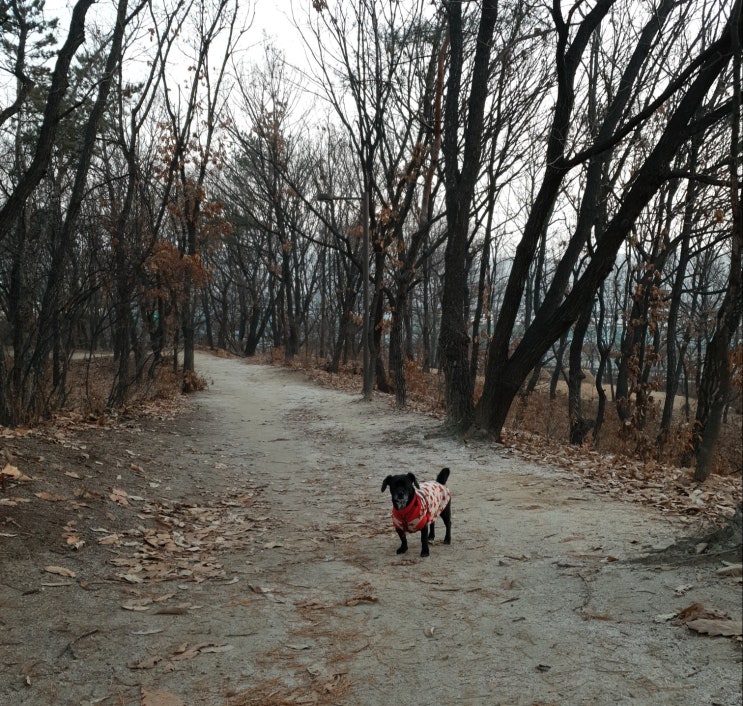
(428, 503)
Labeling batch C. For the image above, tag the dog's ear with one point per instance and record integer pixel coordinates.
(387, 481)
(414, 480)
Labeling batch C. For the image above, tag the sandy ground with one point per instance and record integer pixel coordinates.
(243, 554)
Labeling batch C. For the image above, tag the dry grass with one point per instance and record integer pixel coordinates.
(89, 384)
(548, 418)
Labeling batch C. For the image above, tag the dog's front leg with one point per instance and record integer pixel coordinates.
(403, 541)
(424, 541)
(446, 517)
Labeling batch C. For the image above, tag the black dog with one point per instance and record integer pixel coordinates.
(415, 507)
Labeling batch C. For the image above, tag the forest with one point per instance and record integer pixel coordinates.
(492, 193)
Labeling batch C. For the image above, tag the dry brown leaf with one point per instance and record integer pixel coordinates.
(691, 612)
(361, 599)
(119, 496)
(589, 614)
(51, 497)
(216, 649)
(188, 651)
(712, 627)
(13, 473)
(60, 571)
(158, 697)
(137, 604)
(730, 570)
(74, 542)
(174, 610)
(697, 611)
(130, 578)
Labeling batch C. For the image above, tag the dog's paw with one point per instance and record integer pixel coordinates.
(447, 540)
(424, 553)
(402, 549)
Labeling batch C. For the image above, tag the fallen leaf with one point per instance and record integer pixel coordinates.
(697, 611)
(131, 578)
(60, 571)
(14, 473)
(361, 599)
(725, 628)
(159, 697)
(74, 542)
(9, 502)
(174, 610)
(589, 614)
(730, 570)
(153, 631)
(111, 539)
(217, 648)
(137, 604)
(52, 497)
(187, 651)
(119, 496)
(691, 612)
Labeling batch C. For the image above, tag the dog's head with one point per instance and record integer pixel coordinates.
(402, 488)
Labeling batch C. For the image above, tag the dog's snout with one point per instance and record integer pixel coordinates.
(400, 498)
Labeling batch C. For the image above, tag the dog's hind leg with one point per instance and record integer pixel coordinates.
(431, 532)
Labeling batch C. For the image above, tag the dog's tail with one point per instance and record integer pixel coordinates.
(443, 476)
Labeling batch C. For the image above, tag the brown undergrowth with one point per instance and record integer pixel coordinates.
(623, 461)
(89, 384)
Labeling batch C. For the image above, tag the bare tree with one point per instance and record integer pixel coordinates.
(505, 371)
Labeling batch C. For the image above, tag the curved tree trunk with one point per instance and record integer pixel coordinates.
(715, 382)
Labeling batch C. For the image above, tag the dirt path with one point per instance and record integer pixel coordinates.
(244, 554)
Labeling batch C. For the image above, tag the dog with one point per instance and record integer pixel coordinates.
(415, 507)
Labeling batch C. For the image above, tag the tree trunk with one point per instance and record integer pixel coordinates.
(460, 186)
(579, 426)
(715, 384)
